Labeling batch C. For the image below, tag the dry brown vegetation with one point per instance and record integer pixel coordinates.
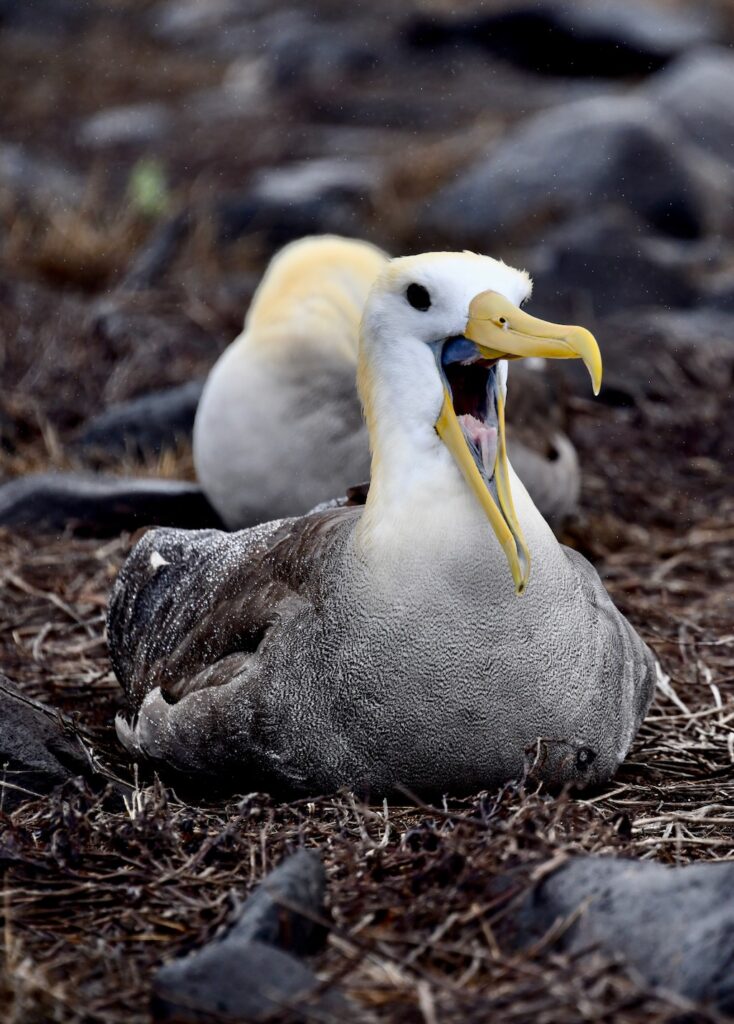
(102, 885)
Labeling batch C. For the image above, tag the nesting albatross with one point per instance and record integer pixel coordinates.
(279, 427)
(387, 646)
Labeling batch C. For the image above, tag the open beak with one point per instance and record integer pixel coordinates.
(472, 419)
(502, 331)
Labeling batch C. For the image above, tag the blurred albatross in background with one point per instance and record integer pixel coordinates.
(384, 646)
(279, 427)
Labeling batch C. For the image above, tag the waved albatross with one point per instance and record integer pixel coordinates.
(279, 427)
(387, 646)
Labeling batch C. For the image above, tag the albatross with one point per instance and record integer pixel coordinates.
(433, 639)
(279, 426)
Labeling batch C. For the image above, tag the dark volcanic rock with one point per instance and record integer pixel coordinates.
(697, 91)
(154, 258)
(101, 506)
(718, 297)
(674, 926)
(305, 54)
(314, 197)
(138, 124)
(41, 183)
(45, 16)
(612, 38)
(327, 178)
(602, 263)
(281, 223)
(576, 158)
(217, 26)
(237, 981)
(271, 914)
(247, 974)
(144, 425)
(654, 359)
(37, 750)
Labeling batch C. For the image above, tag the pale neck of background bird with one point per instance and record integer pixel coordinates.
(314, 292)
(322, 321)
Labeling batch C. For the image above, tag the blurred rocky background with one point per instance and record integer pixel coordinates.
(153, 155)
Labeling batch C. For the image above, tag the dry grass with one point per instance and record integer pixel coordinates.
(72, 247)
(101, 887)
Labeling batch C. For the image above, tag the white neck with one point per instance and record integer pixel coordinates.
(419, 506)
(406, 450)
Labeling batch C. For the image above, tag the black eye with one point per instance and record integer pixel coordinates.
(585, 757)
(418, 297)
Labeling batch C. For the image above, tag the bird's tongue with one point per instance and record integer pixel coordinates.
(484, 438)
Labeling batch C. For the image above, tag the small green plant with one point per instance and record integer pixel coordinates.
(148, 188)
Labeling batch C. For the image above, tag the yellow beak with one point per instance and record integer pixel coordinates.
(502, 331)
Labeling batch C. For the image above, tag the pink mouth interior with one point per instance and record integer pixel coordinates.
(483, 437)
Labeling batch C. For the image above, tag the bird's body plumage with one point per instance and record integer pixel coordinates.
(286, 657)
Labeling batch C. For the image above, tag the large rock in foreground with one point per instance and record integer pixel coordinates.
(674, 926)
(255, 972)
(38, 750)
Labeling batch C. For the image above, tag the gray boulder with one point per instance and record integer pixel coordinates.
(303, 53)
(673, 926)
(322, 196)
(718, 296)
(287, 909)
(601, 263)
(571, 160)
(234, 981)
(218, 26)
(42, 184)
(326, 177)
(46, 17)
(253, 972)
(697, 92)
(144, 425)
(667, 362)
(38, 749)
(101, 506)
(139, 124)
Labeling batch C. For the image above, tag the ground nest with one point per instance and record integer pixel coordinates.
(101, 886)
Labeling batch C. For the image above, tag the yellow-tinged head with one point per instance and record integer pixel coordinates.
(315, 288)
(436, 333)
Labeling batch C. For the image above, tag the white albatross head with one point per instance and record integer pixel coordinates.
(436, 332)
